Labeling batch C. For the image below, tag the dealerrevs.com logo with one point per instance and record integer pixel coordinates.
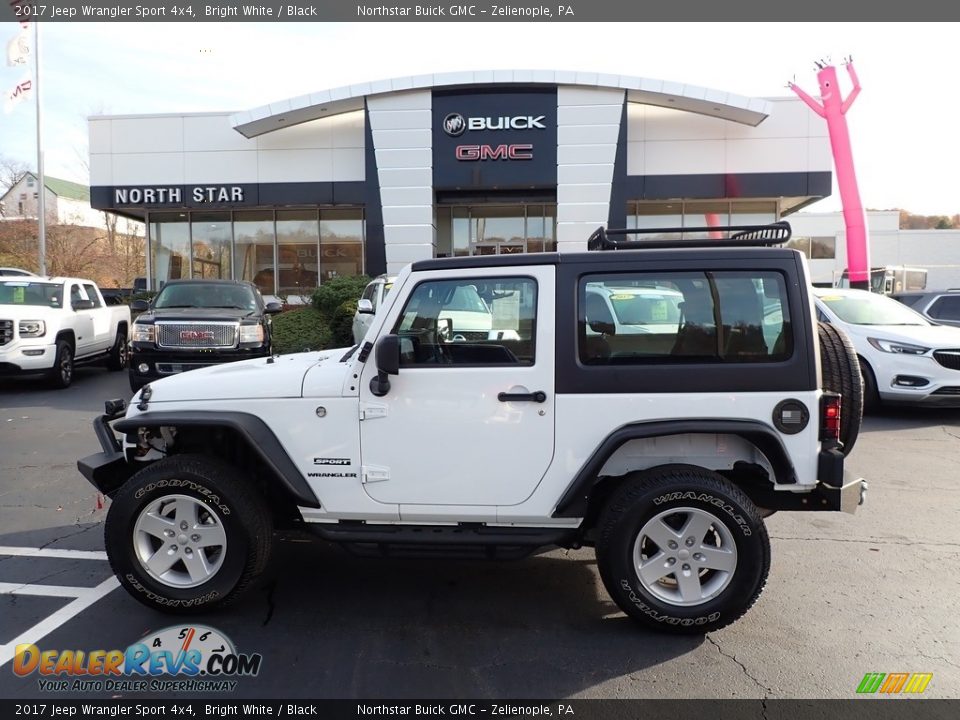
(191, 658)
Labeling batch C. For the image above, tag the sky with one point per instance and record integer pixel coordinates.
(903, 125)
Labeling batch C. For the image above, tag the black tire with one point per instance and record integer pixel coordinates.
(840, 370)
(61, 374)
(119, 355)
(224, 497)
(871, 396)
(644, 496)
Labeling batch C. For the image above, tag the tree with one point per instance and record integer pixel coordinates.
(11, 172)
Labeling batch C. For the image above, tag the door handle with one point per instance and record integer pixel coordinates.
(538, 396)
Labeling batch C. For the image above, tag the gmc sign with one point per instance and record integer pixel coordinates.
(500, 152)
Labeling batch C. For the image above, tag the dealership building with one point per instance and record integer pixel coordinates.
(370, 177)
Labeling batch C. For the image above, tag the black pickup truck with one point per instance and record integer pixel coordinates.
(195, 323)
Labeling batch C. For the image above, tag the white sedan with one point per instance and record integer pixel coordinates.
(904, 357)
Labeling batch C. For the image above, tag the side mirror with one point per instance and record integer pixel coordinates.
(139, 305)
(83, 304)
(364, 307)
(603, 328)
(388, 363)
(272, 308)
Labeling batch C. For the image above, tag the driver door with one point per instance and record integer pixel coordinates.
(468, 421)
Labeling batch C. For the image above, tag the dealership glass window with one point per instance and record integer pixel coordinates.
(474, 321)
(498, 229)
(253, 248)
(341, 242)
(541, 228)
(169, 247)
(297, 252)
(210, 233)
(815, 248)
(700, 213)
(724, 316)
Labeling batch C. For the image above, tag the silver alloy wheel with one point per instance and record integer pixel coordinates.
(685, 556)
(179, 541)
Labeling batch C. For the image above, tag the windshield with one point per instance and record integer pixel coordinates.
(646, 309)
(206, 295)
(23, 292)
(871, 309)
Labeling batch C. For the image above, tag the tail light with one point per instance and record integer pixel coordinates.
(830, 417)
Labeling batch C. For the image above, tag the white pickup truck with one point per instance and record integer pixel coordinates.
(49, 324)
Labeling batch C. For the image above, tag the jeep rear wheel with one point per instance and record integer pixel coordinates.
(187, 534)
(681, 549)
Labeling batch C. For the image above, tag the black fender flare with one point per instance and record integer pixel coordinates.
(574, 502)
(251, 428)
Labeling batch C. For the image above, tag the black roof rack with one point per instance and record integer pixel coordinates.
(734, 236)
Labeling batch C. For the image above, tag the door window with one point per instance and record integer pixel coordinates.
(476, 321)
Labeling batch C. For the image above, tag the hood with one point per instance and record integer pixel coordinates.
(211, 314)
(259, 378)
(932, 336)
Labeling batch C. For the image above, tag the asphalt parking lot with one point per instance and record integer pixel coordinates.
(847, 595)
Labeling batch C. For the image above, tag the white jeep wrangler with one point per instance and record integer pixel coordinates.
(663, 449)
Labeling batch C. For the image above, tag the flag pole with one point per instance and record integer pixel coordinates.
(42, 190)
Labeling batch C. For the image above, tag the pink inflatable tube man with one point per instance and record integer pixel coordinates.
(834, 109)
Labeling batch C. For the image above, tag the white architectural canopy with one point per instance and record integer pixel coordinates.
(648, 91)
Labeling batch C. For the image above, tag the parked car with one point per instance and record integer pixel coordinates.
(941, 307)
(49, 324)
(192, 324)
(416, 442)
(904, 357)
(16, 272)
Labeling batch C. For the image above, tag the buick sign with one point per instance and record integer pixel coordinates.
(454, 124)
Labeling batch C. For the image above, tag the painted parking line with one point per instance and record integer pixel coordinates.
(82, 597)
(52, 553)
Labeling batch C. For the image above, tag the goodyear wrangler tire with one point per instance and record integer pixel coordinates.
(840, 370)
(187, 534)
(680, 549)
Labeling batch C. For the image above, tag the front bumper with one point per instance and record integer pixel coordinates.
(21, 357)
(163, 363)
(109, 469)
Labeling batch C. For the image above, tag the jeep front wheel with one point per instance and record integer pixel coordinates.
(187, 533)
(681, 549)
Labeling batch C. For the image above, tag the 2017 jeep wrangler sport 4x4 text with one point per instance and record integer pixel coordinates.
(655, 403)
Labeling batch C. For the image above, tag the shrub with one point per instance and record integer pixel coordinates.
(341, 324)
(333, 293)
(300, 330)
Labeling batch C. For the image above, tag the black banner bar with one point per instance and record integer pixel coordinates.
(472, 11)
(216, 709)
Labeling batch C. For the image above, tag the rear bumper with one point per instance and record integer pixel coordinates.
(836, 489)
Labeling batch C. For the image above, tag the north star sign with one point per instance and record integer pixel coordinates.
(174, 195)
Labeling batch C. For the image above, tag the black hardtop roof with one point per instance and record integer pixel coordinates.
(620, 257)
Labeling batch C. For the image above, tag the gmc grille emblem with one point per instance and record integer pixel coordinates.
(196, 335)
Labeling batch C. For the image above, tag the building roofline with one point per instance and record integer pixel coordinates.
(649, 91)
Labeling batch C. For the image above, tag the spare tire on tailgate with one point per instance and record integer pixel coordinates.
(840, 370)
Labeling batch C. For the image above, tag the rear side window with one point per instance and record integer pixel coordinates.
(724, 317)
(946, 308)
